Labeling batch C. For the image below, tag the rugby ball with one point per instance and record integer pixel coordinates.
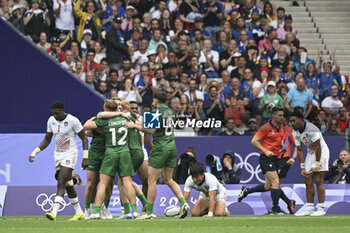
(172, 211)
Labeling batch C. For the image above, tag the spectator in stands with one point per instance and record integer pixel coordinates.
(232, 173)
(165, 24)
(79, 70)
(126, 71)
(214, 107)
(281, 32)
(90, 19)
(242, 41)
(261, 31)
(135, 34)
(127, 22)
(69, 63)
(77, 53)
(240, 27)
(282, 60)
(43, 44)
(5, 9)
(143, 82)
(156, 39)
(140, 56)
(322, 121)
(159, 82)
(100, 52)
(35, 21)
(333, 128)
(63, 10)
(175, 103)
(240, 66)
(230, 129)
(87, 42)
(90, 64)
(169, 92)
(343, 119)
(16, 17)
(213, 13)
(226, 57)
(332, 103)
(266, 44)
(252, 127)
(102, 75)
(210, 60)
(221, 42)
(328, 76)
(236, 111)
(192, 93)
(247, 9)
(226, 83)
(299, 96)
(199, 24)
(129, 92)
(55, 50)
(311, 77)
(112, 10)
(183, 56)
(299, 66)
(276, 74)
(255, 20)
(157, 11)
(189, 12)
(195, 69)
(270, 12)
(113, 80)
(270, 100)
(283, 91)
(237, 92)
(113, 93)
(339, 172)
(203, 83)
(90, 79)
(102, 89)
(280, 17)
(115, 46)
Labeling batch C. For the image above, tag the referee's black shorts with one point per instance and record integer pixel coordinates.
(273, 163)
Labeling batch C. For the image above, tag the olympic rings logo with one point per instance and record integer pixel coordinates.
(244, 164)
(46, 202)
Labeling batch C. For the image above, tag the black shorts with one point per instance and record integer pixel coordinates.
(274, 164)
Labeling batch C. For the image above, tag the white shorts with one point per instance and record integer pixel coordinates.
(65, 160)
(310, 161)
(219, 197)
(145, 154)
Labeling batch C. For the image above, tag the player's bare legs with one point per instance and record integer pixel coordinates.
(200, 208)
(105, 182)
(153, 174)
(310, 189)
(123, 200)
(92, 178)
(220, 208)
(168, 179)
(143, 173)
(65, 183)
(272, 180)
(320, 193)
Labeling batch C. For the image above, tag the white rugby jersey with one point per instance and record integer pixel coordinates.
(210, 183)
(65, 132)
(310, 134)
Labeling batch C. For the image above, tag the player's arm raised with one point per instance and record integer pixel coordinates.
(212, 195)
(112, 114)
(90, 124)
(139, 127)
(44, 143)
(256, 143)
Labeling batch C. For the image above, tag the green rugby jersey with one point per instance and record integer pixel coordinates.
(115, 132)
(135, 140)
(164, 136)
(98, 142)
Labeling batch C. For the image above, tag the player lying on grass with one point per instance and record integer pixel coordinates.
(137, 158)
(212, 197)
(64, 127)
(315, 164)
(117, 156)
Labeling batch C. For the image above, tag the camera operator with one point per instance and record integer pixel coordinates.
(184, 163)
(214, 166)
(339, 172)
(232, 173)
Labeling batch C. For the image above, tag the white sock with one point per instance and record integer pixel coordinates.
(321, 206)
(75, 203)
(57, 204)
(310, 206)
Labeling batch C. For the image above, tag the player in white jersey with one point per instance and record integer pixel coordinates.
(315, 164)
(64, 127)
(212, 198)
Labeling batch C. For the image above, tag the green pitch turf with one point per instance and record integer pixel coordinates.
(240, 224)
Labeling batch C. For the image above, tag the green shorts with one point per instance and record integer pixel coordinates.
(95, 160)
(137, 158)
(117, 161)
(163, 157)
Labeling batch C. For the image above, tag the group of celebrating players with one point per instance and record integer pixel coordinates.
(117, 147)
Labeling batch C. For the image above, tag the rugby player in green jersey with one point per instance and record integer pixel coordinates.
(117, 156)
(163, 156)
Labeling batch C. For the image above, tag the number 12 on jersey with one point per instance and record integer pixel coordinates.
(121, 141)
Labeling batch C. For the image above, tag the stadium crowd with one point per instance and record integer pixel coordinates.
(228, 60)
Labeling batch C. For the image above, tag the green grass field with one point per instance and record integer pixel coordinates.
(241, 224)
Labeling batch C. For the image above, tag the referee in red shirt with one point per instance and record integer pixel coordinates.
(276, 139)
